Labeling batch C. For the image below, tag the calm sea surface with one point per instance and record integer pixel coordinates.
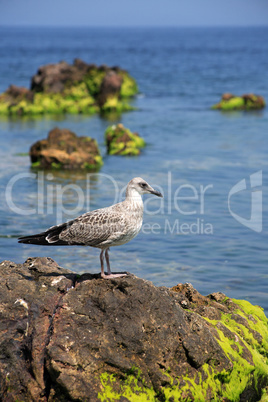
(194, 155)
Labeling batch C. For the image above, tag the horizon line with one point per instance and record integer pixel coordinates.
(132, 26)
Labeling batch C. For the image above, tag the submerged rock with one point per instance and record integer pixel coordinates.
(121, 141)
(71, 88)
(70, 338)
(64, 150)
(244, 102)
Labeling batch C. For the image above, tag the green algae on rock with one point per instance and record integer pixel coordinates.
(125, 340)
(78, 88)
(241, 330)
(121, 141)
(243, 102)
(64, 150)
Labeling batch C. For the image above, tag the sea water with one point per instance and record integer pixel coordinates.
(204, 230)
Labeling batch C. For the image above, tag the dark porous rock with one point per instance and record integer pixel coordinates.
(110, 87)
(227, 96)
(64, 150)
(15, 98)
(55, 77)
(243, 102)
(65, 337)
(29, 297)
(14, 93)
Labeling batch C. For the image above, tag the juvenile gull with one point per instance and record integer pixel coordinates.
(102, 228)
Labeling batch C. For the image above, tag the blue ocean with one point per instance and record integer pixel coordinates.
(210, 229)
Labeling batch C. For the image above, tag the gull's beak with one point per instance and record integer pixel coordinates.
(157, 193)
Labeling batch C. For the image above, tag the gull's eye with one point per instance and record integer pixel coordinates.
(143, 185)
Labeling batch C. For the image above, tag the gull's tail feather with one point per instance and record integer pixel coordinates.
(48, 238)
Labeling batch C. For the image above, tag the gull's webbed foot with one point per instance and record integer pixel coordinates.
(112, 276)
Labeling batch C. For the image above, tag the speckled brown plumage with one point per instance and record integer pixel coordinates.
(102, 228)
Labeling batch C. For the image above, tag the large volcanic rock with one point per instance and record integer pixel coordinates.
(70, 338)
(64, 150)
(71, 88)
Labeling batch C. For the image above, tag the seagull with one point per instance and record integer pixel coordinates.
(102, 228)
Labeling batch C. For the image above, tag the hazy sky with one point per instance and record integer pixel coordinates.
(134, 13)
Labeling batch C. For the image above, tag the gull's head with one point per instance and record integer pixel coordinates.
(142, 187)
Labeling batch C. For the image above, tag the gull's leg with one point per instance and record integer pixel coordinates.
(107, 261)
(110, 275)
(102, 264)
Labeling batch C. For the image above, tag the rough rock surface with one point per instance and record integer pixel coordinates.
(243, 102)
(71, 88)
(16, 94)
(121, 141)
(110, 87)
(64, 150)
(55, 77)
(70, 338)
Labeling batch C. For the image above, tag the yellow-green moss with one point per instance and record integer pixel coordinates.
(4, 108)
(199, 386)
(36, 164)
(114, 104)
(243, 373)
(98, 162)
(264, 395)
(132, 388)
(259, 324)
(55, 165)
(93, 81)
(57, 104)
(208, 383)
(50, 104)
(129, 86)
(77, 92)
(231, 104)
(245, 102)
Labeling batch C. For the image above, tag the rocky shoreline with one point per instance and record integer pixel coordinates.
(66, 337)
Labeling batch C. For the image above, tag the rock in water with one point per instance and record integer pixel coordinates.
(121, 141)
(243, 102)
(71, 88)
(64, 150)
(70, 338)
